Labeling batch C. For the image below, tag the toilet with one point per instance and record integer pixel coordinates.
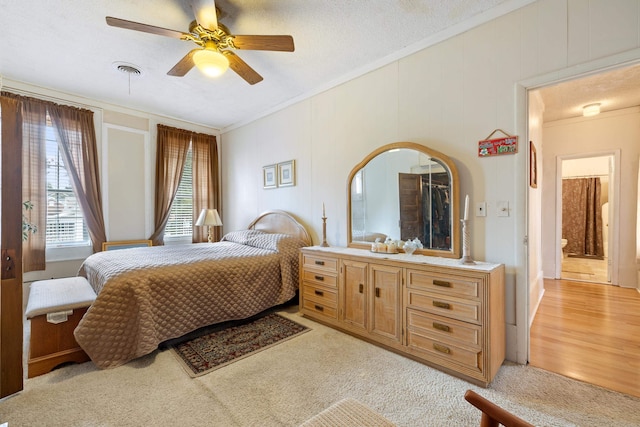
(563, 243)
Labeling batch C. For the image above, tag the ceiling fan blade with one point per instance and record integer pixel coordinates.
(242, 68)
(130, 25)
(184, 65)
(206, 13)
(279, 43)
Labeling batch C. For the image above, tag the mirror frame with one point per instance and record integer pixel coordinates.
(454, 252)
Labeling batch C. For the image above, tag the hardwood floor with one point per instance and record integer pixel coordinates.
(584, 269)
(590, 332)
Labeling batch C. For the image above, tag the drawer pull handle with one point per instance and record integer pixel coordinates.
(441, 304)
(319, 262)
(377, 292)
(442, 348)
(440, 327)
(319, 307)
(361, 288)
(320, 278)
(319, 293)
(442, 283)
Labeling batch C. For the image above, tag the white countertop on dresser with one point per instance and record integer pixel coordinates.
(415, 258)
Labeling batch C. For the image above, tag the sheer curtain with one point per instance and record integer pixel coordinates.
(78, 147)
(77, 140)
(582, 216)
(205, 182)
(172, 147)
(34, 123)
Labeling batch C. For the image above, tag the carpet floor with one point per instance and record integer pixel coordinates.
(290, 383)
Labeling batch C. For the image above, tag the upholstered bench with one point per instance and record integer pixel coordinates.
(55, 307)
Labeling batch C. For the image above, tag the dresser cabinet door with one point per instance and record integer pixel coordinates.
(385, 284)
(354, 305)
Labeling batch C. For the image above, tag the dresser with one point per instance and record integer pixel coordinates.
(435, 310)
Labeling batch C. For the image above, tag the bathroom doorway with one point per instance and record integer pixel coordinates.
(586, 211)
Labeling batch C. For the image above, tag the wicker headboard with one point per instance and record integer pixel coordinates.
(280, 222)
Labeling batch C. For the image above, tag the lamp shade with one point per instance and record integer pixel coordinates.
(208, 217)
(211, 62)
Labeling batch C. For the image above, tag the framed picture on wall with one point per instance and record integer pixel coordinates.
(533, 166)
(269, 176)
(287, 173)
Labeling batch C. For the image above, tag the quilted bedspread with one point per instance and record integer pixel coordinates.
(152, 294)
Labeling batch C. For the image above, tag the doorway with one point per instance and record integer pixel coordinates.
(566, 142)
(586, 208)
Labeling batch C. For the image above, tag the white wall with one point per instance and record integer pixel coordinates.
(448, 97)
(617, 130)
(125, 192)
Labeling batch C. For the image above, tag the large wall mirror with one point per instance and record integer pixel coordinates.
(405, 190)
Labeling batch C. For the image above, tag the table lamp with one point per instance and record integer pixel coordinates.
(209, 217)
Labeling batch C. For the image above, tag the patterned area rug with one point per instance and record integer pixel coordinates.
(214, 350)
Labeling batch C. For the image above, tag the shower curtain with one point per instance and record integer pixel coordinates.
(582, 217)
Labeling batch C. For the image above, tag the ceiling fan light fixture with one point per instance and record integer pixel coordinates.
(591, 110)
(211, 62)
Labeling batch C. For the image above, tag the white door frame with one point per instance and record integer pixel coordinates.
(519, 333)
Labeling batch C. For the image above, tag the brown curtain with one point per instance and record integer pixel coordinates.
(582, 217)
(34, 182)
(206, 194)
(172, 147)
(77, 142)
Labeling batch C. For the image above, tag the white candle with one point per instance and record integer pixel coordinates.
(466, 207)
(323, 214)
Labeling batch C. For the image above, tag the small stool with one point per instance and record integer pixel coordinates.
(55, 308)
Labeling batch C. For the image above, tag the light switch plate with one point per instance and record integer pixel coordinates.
(502, 208)
(481, 209)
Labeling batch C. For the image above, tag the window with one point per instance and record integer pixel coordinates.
(180, 223)
(65, 223)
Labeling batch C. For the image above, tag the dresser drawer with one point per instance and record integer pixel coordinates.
(469, 357)
(463, 287)
(444, 329)
(455, 308)
(321, 295)
(326, 310)
(324, 279)
(317, 262)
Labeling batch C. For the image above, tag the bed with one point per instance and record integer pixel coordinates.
(148, 295)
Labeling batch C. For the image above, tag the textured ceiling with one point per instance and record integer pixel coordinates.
(613, 90)
(66, 45)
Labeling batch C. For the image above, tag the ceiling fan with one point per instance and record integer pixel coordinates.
(215, 43)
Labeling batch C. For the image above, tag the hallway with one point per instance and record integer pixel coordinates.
(589, 332)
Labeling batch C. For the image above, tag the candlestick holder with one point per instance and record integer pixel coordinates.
(324, 232)
(466, 243)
